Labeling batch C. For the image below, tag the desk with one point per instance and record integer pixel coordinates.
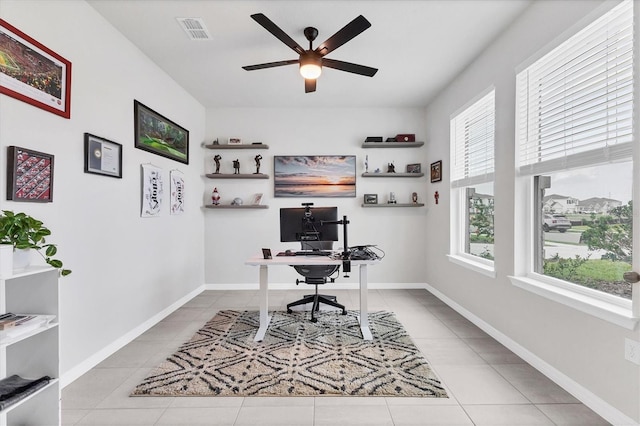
(264, 265)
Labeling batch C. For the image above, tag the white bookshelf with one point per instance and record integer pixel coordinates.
(34, 353)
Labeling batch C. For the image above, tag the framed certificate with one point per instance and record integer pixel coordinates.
(102, 156)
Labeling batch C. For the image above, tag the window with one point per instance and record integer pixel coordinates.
(575, 134)
(472, 174)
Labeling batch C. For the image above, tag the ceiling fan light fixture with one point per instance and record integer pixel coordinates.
(310, 66)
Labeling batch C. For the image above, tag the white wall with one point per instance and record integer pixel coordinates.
(584, 353)
(126, 269)
(234, 235)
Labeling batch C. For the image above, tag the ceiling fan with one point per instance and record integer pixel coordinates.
(311, 61)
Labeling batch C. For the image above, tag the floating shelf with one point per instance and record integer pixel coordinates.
(229, 206)
(236, 176)
(392, 144)
(394, 205)
(411, 175)
(239, 146)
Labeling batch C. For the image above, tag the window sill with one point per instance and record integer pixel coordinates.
(474, 265)
(616, 313)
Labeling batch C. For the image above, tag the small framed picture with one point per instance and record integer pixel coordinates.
(102, 156)
(436, 171)
(235, 141)
(414, 168)
(30, 175)
(266, 253)
(371, 198)
(257, 199)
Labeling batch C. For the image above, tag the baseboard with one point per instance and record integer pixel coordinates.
(336, 286)
(95, 359)
(584, 395)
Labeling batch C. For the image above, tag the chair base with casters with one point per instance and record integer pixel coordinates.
(316, 275)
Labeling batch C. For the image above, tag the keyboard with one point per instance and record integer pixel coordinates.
(313, 253)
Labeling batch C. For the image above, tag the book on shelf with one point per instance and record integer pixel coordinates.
(15, 388)
(23, 323)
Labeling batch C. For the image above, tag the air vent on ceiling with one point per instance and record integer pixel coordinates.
(195, 28)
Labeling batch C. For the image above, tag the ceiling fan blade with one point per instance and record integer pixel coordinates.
(277, 32)
(309, 85)
(348, 32)
(349, 67)
(270, 65)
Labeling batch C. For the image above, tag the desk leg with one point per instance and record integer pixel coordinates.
(264, 303)
(364, 309)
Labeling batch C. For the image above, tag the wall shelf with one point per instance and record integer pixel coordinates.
(236, 176)
(229, 206)
(392, 144)
(394, 205)
(239, 146)
(393, 175)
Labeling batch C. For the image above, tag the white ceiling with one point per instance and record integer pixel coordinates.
(418, 47)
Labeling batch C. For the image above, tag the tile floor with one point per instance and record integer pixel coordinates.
(487, 384)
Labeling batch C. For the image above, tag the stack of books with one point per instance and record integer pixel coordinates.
(13, 325)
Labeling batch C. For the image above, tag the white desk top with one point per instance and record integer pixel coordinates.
(304, 260)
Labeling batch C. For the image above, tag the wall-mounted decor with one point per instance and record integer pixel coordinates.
(29, 175)
(414, 168)
(315, 176)
(157, 134)
(152, 190)
(102, 156)
(371, 198)
(177, 192)
(235, 141)
(33, 73)
(436, 171)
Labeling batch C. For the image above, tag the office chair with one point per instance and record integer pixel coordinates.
(316, 275)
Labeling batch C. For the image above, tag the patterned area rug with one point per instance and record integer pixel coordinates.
(296, 358)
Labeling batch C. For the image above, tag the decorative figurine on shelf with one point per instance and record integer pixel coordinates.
(377, 170)
(215, 197)
(436, 196)
(366, 164)
(258, 158)
(215, 142)
(414, 197)
(392, 198)
(236, 201)
(391, 168)
(236, 167)
(217, 159)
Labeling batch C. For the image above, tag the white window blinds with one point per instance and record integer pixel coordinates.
(472, 147)
(575, 105)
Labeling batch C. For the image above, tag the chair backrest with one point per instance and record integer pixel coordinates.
(316, 271)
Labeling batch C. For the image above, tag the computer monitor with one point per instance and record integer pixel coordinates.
(306, 224)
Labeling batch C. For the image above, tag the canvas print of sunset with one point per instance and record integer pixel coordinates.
(315, 176)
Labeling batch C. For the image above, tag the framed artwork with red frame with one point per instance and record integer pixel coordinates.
(33, 73)
(29, 175)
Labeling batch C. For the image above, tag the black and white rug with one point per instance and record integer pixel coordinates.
(296, 358)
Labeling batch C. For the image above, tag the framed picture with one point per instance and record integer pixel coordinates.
(266, 253)
(315, 176)
(436, 171)
(371, 198)
(235, 141)
(257, 199)
(102, 156)
(159, 135)
(29, 175)
(34, 73)
(414, 168)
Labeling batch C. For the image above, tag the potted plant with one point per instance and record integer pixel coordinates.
(24, 232)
